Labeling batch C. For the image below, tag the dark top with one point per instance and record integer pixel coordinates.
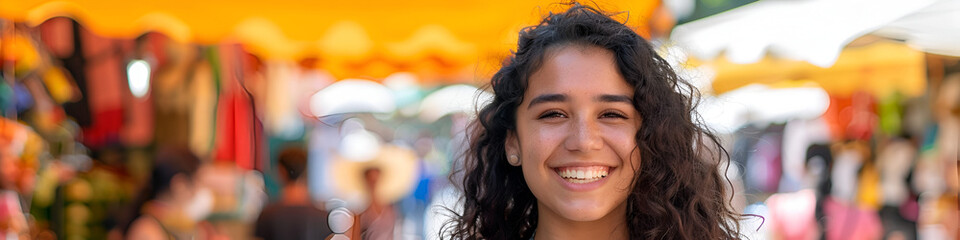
(278, 221)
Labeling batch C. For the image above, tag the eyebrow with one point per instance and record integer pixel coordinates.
(545, 98)
(615, 98)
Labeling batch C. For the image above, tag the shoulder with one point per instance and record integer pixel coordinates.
(268, 212)
(146, 228)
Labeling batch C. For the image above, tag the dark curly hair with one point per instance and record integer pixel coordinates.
(679, 192)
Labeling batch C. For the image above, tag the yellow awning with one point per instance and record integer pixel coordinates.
(458, 31)
(880, 68)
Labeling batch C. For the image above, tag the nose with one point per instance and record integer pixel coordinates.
(584, 136)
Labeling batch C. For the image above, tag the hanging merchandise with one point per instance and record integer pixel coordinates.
(746, 139)
(792, 215)
(24, 153)
(13, 223)
(75, 63)
(852, 118)
(238, 130)
(890, 113)
(22, 97)
(105, 81)
(22, 156)
(48, 86)
(237, 190)
(7, 98)
(869, 192)
(764, 164)
(57, 36)
(845, 221)
(173, 93)
(138, 129)
(20, 50)
(45, 115)
(203, 111)
(59, 85)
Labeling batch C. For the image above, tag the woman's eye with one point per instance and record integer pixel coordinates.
(552, 114)
(613, 115)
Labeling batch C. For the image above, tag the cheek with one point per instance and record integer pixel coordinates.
(624, 144)
(622, 140)
(539, 142)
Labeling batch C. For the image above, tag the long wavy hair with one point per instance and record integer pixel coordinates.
(679, 192)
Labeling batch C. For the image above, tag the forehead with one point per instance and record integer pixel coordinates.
(575, 69)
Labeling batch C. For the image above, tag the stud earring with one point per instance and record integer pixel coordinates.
(513, 160)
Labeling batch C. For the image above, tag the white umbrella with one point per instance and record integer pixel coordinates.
(458, 98)
(352, 96)
(759, 103)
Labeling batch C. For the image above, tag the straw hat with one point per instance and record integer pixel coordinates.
(398, 176)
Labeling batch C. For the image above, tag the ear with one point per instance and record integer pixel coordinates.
(512, 144)
(283, 174)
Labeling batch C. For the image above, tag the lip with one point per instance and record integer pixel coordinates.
(581, 187)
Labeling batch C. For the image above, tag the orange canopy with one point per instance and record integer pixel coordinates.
(459, 31)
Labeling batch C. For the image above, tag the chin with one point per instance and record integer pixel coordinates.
(585, 211)
(588, 217)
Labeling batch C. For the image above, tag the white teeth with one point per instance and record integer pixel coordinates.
(583, 174)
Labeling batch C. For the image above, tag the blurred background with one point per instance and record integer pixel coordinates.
(842, 117)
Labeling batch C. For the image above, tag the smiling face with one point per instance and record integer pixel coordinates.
(575, 135)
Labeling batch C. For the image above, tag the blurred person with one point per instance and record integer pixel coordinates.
(377, 222)
(898, 213)
(294, 216)
(238, 197)
(591, 135)
(937, 170)
(800, 214)
(171, 205)
(850, 210)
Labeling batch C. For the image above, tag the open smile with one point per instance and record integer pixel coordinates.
(583, 175)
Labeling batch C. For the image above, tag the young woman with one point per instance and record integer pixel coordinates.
(591, 135)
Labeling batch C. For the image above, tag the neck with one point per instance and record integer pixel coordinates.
(553, 226)
(296, 193)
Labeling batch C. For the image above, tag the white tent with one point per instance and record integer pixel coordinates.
(817, 30)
